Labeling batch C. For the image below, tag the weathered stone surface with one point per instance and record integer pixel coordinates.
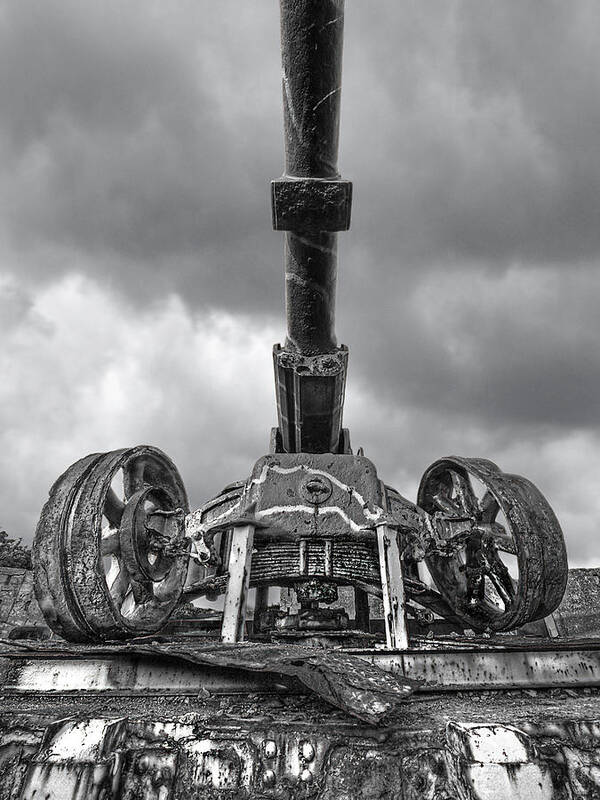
(292, 746)
(508, 782)
(583, 771)
(497, 761)
(18, 606)
(349, 765)
(579, 612)
(359, 776)
(425, 775)
(489, 744)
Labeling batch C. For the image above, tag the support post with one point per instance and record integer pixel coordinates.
(362, 617)
(260, 604)
(392, 584)
(236, 597)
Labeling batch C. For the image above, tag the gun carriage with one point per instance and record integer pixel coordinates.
(117, 548)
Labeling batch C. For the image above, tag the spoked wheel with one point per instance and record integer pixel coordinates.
(110, 557)
(501, 561)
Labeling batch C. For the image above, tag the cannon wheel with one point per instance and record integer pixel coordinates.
(505, 562)
(108, 564)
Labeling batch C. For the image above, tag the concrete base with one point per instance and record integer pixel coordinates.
(121, 725)
(484, 746)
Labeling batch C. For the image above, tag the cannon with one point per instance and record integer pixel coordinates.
(117, 548)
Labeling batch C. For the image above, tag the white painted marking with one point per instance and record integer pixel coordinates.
(290, 105)
(371, 515)
(79, 739)
(324, 510)
(327, 96)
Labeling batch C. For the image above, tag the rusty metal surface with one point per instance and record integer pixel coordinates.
(311, 204)
(268, 746)
(328, 722)
(313, 514)
(342, 678)
(129, 674)
(310, 400)
(316, 495)
(510, 516)
(87, 585)
(311, 43)
(345, 681)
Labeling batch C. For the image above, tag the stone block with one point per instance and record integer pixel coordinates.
(579, 613)
(489, 744)
(18, 605)
(425, 776)
(583, 770)
(509, 782)
(356, 775)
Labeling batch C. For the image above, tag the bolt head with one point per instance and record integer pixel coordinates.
(269, 748)
(308, 751)
(157, 778)
(269, 778)
(143, 764)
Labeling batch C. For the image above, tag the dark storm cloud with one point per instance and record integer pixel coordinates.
(130, 138)
(478, 123)
(518, 346)
(146, 135)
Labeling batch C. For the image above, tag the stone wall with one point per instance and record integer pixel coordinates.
(579, 613)
(18, 606)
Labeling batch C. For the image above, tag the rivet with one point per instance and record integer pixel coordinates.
(143, 764)
(157, 778)
(268, 778)
(308, 751)
(269, 748)
(306, 776)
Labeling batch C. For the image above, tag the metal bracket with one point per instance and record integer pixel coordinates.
(311, 204)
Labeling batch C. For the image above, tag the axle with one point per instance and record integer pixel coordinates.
(311, 203)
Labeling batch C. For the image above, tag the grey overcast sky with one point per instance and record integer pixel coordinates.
(141, 284)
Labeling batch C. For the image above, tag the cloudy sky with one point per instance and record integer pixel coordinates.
(141, 285)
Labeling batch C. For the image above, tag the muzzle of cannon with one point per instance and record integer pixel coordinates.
(117, 548)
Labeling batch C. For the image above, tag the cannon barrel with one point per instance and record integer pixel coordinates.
(311, 203)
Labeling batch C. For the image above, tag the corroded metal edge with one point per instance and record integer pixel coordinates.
(108, 669)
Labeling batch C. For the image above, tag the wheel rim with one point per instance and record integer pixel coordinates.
(503, 560)
(123, 558)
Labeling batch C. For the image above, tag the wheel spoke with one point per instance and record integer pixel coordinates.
(128, 605)
(446, 504)
(464, 493)
(113, 508)
(169, 589)
(110, 544)
(80, 545)
(504, 587)
(142, 590)
(117, 581)
(134, 472)
(144, 613)
(489, 507)
(493, 597)
(505, 543)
